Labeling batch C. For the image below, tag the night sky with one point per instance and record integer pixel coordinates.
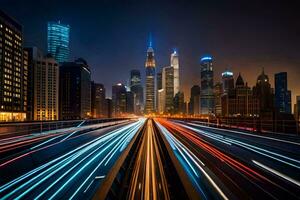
(112, 35)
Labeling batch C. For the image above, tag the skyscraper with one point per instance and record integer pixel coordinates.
(97, 100)
(75, 90)
(178, 103)
(227, 81)
(159, 94)
(282, 94)
(160, 101)
(137, 89)
(13, 71)
(207, 86)
(218, 92)
(150, 80)
(58, 41)
(119, 94)
(240, 101)
(135, 77)
(159, 80)
(108, 108)
(45, 85)
(168, 88)
(194, 106)
(297, 109)
(175, 64)
(130, 102)
(263, 91)
(30, 83)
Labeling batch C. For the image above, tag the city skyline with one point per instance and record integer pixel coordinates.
(149, 100)
(237, 53)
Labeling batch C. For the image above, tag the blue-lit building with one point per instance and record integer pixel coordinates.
(227, 81)
(207, 86)
(58, 40)
(282, 94)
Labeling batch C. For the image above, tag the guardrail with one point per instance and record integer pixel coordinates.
(22, 128)
(258, 125)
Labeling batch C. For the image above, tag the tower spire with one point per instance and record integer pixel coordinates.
(150, 40)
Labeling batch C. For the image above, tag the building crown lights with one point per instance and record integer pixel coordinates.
(206, 58)
(227, 73)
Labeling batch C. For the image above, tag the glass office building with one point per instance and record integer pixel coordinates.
(58, 41)
(207, 86)
(282, 94)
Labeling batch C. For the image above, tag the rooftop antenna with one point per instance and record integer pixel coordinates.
(150, 39)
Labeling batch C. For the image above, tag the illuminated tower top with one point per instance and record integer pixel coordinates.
(175, 64)
(58, 36)
(174, 59)
(150, 61)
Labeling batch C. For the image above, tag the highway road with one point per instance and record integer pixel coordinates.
(62, 164)
(11, 146)
(235, 164)
(172, 159)
(148, 180)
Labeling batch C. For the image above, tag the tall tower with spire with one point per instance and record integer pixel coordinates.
(175, 64)
(150, 79)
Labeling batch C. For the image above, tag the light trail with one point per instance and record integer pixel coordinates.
(120, 141)
(87, 153)
(253, 148)
(56, 136)
(8, 144)
(248, 134)
(148, 179)
(277, 173)
(192, 161)
(215, 152)
(210, 142)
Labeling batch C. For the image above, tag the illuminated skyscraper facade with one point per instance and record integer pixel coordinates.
(168, 88)
(97, 100)
(282, 94)
(150, 80)
(207, 86)
(218, 91)
(159, 93)
(13, 71)
(227, 81)
(137, 89)
(119, 94)
(43, 86)
(46, 86)
(58, 41)
(175, 64)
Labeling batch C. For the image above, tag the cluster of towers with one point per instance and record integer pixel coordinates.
(162, 93)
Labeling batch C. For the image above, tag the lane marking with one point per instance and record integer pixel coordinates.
(99, 177)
